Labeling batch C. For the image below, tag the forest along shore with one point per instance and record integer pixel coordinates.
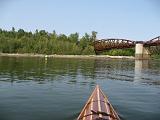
(66, 56)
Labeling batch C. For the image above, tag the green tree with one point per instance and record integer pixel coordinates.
(21, 33)
(43, 42)
(73, 37)
(94, 36)
(62, 37)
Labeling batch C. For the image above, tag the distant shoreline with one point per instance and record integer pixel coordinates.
(66, 56)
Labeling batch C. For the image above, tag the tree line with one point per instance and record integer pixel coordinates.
(43, 42)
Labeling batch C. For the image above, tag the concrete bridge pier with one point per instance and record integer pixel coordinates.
(141, 52)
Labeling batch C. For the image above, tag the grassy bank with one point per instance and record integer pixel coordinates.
(155, 57)
(120, 52)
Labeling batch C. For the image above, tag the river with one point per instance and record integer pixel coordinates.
(57, 88)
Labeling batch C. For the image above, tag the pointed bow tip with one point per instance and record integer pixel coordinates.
(97, 86)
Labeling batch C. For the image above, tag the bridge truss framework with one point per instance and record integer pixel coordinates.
(113, 43)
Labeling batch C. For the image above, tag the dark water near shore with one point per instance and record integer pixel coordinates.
(57, 89)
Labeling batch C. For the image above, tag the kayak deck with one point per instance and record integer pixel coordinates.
(98, 107)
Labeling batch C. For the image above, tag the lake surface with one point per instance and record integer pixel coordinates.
(57, 89)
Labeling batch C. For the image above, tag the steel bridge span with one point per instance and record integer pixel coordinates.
(113, 43)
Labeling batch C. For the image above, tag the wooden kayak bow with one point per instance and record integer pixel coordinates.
(98, 107)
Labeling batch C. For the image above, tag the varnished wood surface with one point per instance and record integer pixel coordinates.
(98, 107)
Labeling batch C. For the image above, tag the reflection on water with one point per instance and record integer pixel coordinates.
(46, 87)
(140, 65)
(41, 69)
(146, 73)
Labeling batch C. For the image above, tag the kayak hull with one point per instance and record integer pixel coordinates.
(98, 107)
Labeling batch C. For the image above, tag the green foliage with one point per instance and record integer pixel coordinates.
(155, 52)
(73, 37)
(42, 42)
(120, 52)
(89, 50)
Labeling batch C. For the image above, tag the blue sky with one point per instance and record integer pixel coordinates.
(131, 19)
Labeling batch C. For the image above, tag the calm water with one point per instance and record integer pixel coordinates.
(57, 89)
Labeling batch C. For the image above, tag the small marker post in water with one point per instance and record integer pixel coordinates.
(46, 57)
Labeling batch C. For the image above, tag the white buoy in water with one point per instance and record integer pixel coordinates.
(46, 57)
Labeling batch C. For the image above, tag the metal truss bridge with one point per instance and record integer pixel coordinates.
(112, 43)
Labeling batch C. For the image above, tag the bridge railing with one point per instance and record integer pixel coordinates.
(113, 43)
(107, 44)
(153, 42)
